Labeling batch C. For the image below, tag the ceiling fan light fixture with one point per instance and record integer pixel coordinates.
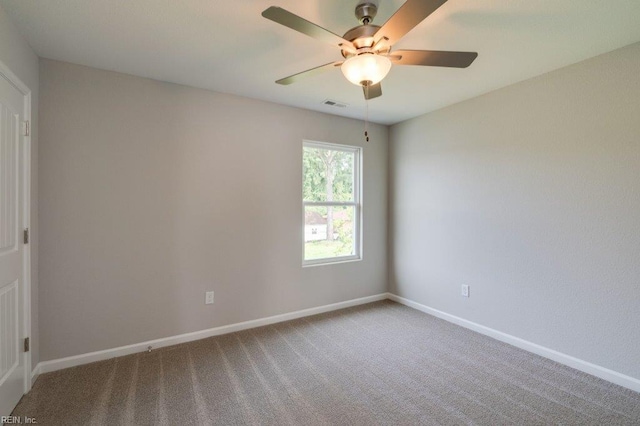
(366, 68)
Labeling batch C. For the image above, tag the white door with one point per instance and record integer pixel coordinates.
(12, 288)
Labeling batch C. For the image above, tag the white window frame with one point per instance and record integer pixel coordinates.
(356, 203)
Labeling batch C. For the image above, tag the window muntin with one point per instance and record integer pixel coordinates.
(331, 203)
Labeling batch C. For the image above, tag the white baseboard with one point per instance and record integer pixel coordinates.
(35, 373)
(72, 361)
(584, 366)
(587, 367)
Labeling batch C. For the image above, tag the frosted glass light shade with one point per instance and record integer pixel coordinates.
(366, 68)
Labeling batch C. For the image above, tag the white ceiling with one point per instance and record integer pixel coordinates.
(227, 46)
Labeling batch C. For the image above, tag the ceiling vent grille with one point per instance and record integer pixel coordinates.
(334, 104)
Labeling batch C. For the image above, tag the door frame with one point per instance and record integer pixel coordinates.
(7, 74)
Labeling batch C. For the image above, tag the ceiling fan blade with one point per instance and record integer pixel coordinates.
(433, 58)
(288, 19)
(372, 91)
(308, 73)
(410, 14)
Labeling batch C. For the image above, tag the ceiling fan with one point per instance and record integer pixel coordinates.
(367, 47)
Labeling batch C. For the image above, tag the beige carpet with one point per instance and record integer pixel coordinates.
(381, 363)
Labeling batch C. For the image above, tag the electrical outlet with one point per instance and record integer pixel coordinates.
(208, 298)
(465, 290)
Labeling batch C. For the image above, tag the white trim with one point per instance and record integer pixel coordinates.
(6, 73)
(35, 373)
(331, 261)
(26, 260)
(330, 203)
(328, 145)
(584, 366)
(13, 79)
(72, 361)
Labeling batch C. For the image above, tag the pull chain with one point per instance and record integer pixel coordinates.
(366, 117)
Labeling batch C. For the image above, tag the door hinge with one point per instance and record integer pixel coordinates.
(25, 236)
(26, 128)
(26, 344)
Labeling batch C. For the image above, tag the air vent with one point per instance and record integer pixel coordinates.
(334, 104)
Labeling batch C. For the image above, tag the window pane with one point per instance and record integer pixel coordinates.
(328, 175)
(328, 232)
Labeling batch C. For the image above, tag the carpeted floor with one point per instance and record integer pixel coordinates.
(381, 363)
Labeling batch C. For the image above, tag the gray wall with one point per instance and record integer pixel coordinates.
(16, 54)
(152, 193)
(530, 195)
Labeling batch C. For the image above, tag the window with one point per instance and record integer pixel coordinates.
(331, 202)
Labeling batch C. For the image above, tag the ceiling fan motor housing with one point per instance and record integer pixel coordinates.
(365, 12)
(362, 37)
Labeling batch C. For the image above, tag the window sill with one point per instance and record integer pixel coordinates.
(332, 261)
